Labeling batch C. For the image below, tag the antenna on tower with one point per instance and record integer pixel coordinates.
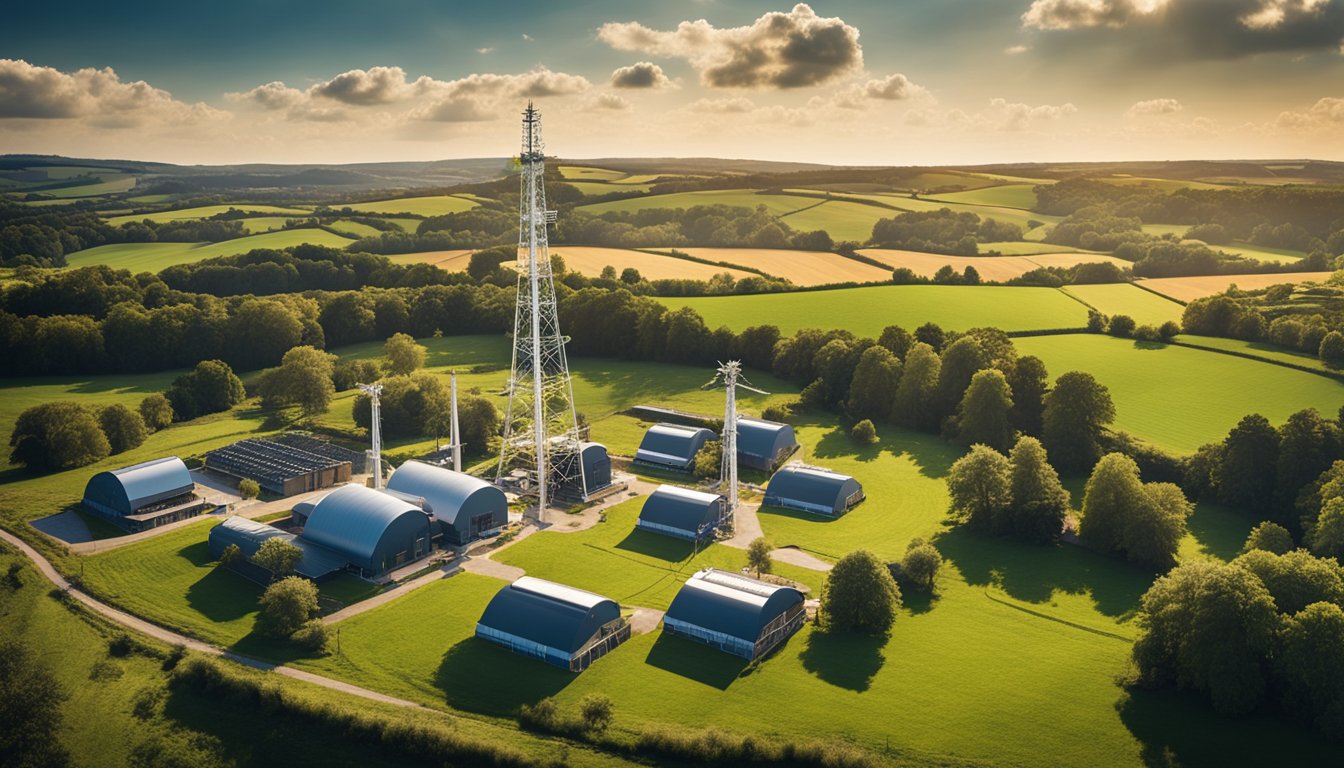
(375, 432)
(729, 374)
(541, 431)
(454, 436)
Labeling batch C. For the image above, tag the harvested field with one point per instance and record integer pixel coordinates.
(798, 267)
(435, 205)
(203, 212)
(1191, 288)
(991, 268)
(590, 260)
(448, 261)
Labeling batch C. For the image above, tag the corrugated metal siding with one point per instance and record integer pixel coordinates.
(127, 489)
(455, 498)
(355, 522)
(762, 444)
(670, 508)
(561, 618)
(672, 445)
(811, 490)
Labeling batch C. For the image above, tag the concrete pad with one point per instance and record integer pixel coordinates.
(67, 526)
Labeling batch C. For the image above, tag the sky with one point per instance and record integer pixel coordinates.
(855, 82)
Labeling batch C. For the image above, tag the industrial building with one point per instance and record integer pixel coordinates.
(560, 625)
(278, 467)
(683, 513)
(764, 444)
(596, 467)
(734, 613)
(248, 535)
(464, 506)
(373, 532)
(145, 495)
(813, 489)
(672, 446)
(325, 448)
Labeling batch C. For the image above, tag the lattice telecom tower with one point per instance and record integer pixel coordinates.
(541, 431)
(730, 374)
(375, 432)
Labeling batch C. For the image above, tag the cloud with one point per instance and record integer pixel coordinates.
(642, 75)
(722, 106)
(99, 95)
(895, 87)
(528, 38)
(485, 50)
(272, 95)
(1197, 28)
(1011, 116)
(778, 50)
(1154, 107)
(364, 87)
(1326, 113)
(1016, 50)
(608, 101)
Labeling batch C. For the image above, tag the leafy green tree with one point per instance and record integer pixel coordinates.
(1245, 475)
(1039, 501)
(404, 355)
(286, 606)
(863, 433)
(980, 487)
(249, 488)
(278, 557)
(983, 416)
(1326, 537)
(1028, 384)
(912, 404)
(304, 378)
(1269, 537)
(1076, 411)
(931, 334)
(156, 411)
(596, 710)
(1154, 530)
(345, 374)
(755, 346)
(1296, 579)
(349, 318)
(232, 554)
(125, 429)
(1308, 445)
(860, 595)
(1111, 493)
(1331, 350)
(920, 565)
(758, 555)
(1311, 665)
(210, 387)
(485, 263)
(709, 459)
(1121, 326)
(30, 707)
(259, 332)
(59, 435)
(960, 362)
(876, 377)
(312, 636)
(896, 340)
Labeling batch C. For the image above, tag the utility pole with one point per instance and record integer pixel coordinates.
(454, 433)
(375, 432)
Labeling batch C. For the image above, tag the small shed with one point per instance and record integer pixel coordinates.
(813, 489)
(248, 535)
(465, 506)
(764, 444)
(736, 614)
(596, 467)
(560, 625)
(373, 531)
(144, 495)
(683, 513)
(672, 446)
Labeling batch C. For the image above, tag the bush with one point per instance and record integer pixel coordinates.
(121, 645)
(249, 488)
(231, 554)
(156, 411)
(1271, 537)
(709, 459)
(919, 567)
(1147, 333)
(286, 606)
(312, 636)
(860, 595)
(776, 413)
(864, 433)
(596, 709)
(1169, 330)
(1121, 326)
(758, 555)
(124, 428)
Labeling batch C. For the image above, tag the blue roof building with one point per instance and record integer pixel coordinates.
(812, 489)
(672, 446)
(144, 495)
(563, 626)
(465, 506)
(374, 532)
(683, 513)
(764, 444)
(596, 467)
(736, 614)
(248, 535)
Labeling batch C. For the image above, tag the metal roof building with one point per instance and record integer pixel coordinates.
(672, 446)
(736, 614)
(465, 506)
(560, 625)
(248, 536)
(681, 512)
(596, 466)
(764, 444)
(144, 495)
(374, 532)
(279, 467)
(812, 489)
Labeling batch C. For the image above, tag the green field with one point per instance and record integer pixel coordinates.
(1007, 196)
(866, 311)
(595, 188)
(111, 183)
(588, 173)
(778, 205)
(435, 205)
(1260, 349)
(1261, 252)
(204, 212)
(260, 224)
(842, 220)
(1026, 248)
(354, 229)
(1146, 307)
(1180, 398)
(153, 257)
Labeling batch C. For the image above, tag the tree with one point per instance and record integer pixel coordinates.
(156, 411)
(1039, 501)
(959, 363)
(1121, 326)
(1310, 664)
(304, 378)
(980, 487)
(709, 459)
(30, 707)
(345, 374)
(860, 595)
(1308, 445)
(311, 636)
(231, 555)
(1331, 350)
(483, 264)
(210, 387)
(931, 334)
(876, 377)
(863, 433)
(124, 428)
(758, 555)
(920, 565)
(596, 710)
(1326, 537)
(1157, 524)
(1075, 412)
(630, 276)
(249, 488)
(1245, 474)
(286, 606)
(912, 403)
(1269, 537)
(1209, 627)
(404, 355)
(983, 415)
(59, 435)
(896, 340)
(1028, 385)
(1296, 579)
(1109, 498)
(277, 556)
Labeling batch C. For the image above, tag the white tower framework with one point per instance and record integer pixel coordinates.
(730, 374)
(454, 435)
(541, 431)
(375, 432)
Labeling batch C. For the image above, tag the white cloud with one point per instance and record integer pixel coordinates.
(1154, 107)
(644, 74)
(1016, 50)
(99, 95)
(778, 50)
(608, 101)
(1012, 116)
(485, 50)
(895, 87)
(528, 38)
(1326, 113)
(722, 106)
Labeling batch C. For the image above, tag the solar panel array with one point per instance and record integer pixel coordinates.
(269, 463)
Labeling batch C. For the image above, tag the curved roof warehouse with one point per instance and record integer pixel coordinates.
(144, 495)
(734, 613)
(681, 512)
(672, 445)
(563, 626)
(374, 531)
(764, 444)
(812, 489)
(466, 506)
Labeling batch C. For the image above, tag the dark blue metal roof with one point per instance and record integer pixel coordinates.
(447, 493)
(248, 536)
(683, 508)
(811, 487)
(672, 445)
(130, 488)
(351, 521)
(551, 614)
(730, 603)
(764, 440)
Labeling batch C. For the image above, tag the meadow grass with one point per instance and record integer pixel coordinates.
(110, 184)
(596, 188)
(1146, 307)
(589, 173)
(1260, 349)
(203, 212)
(778, 205)
(866, 311)
(1180, 398)
(153, 257)
(990, 268)
(1007, 196)
(1262, 252)
(1026, 248)
(434, 205)
(259, 224)
(354, 229)
(841, 219)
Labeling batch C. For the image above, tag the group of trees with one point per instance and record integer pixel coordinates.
(208, 388)
(65, 434)
(1272, 315)
(942, 231)
(1121, 514)
(420, 404)
(1018, 495)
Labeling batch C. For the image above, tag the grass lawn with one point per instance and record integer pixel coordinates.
(1008, 196)
(596, 188)
(778, 205)
(1146, 307)
(434, 205)
(153, 257)
(842, 219)
(204, 212)
(1180, 398)
(1259, 349)
(866, 311)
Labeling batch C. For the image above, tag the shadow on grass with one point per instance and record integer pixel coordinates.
(479, 676)
(276, 651)
(932, 455)
(917, 601)
(797, 514)
(1182, 730)
(1220, 531)
(1032, 572)
(694, 661)
(222, 595)
(844, 660)
(654, 545)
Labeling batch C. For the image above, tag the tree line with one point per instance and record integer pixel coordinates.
(1306, 318)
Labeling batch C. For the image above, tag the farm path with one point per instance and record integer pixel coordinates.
(168, 636)
(795, 556)
(747, 528)
(388, 595)
(645, 620)
(591, 516)
(484, 566)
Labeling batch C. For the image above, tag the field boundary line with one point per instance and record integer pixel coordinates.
(1139, 285)
(1337, 376)
(673, 253)
(1056, 619)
